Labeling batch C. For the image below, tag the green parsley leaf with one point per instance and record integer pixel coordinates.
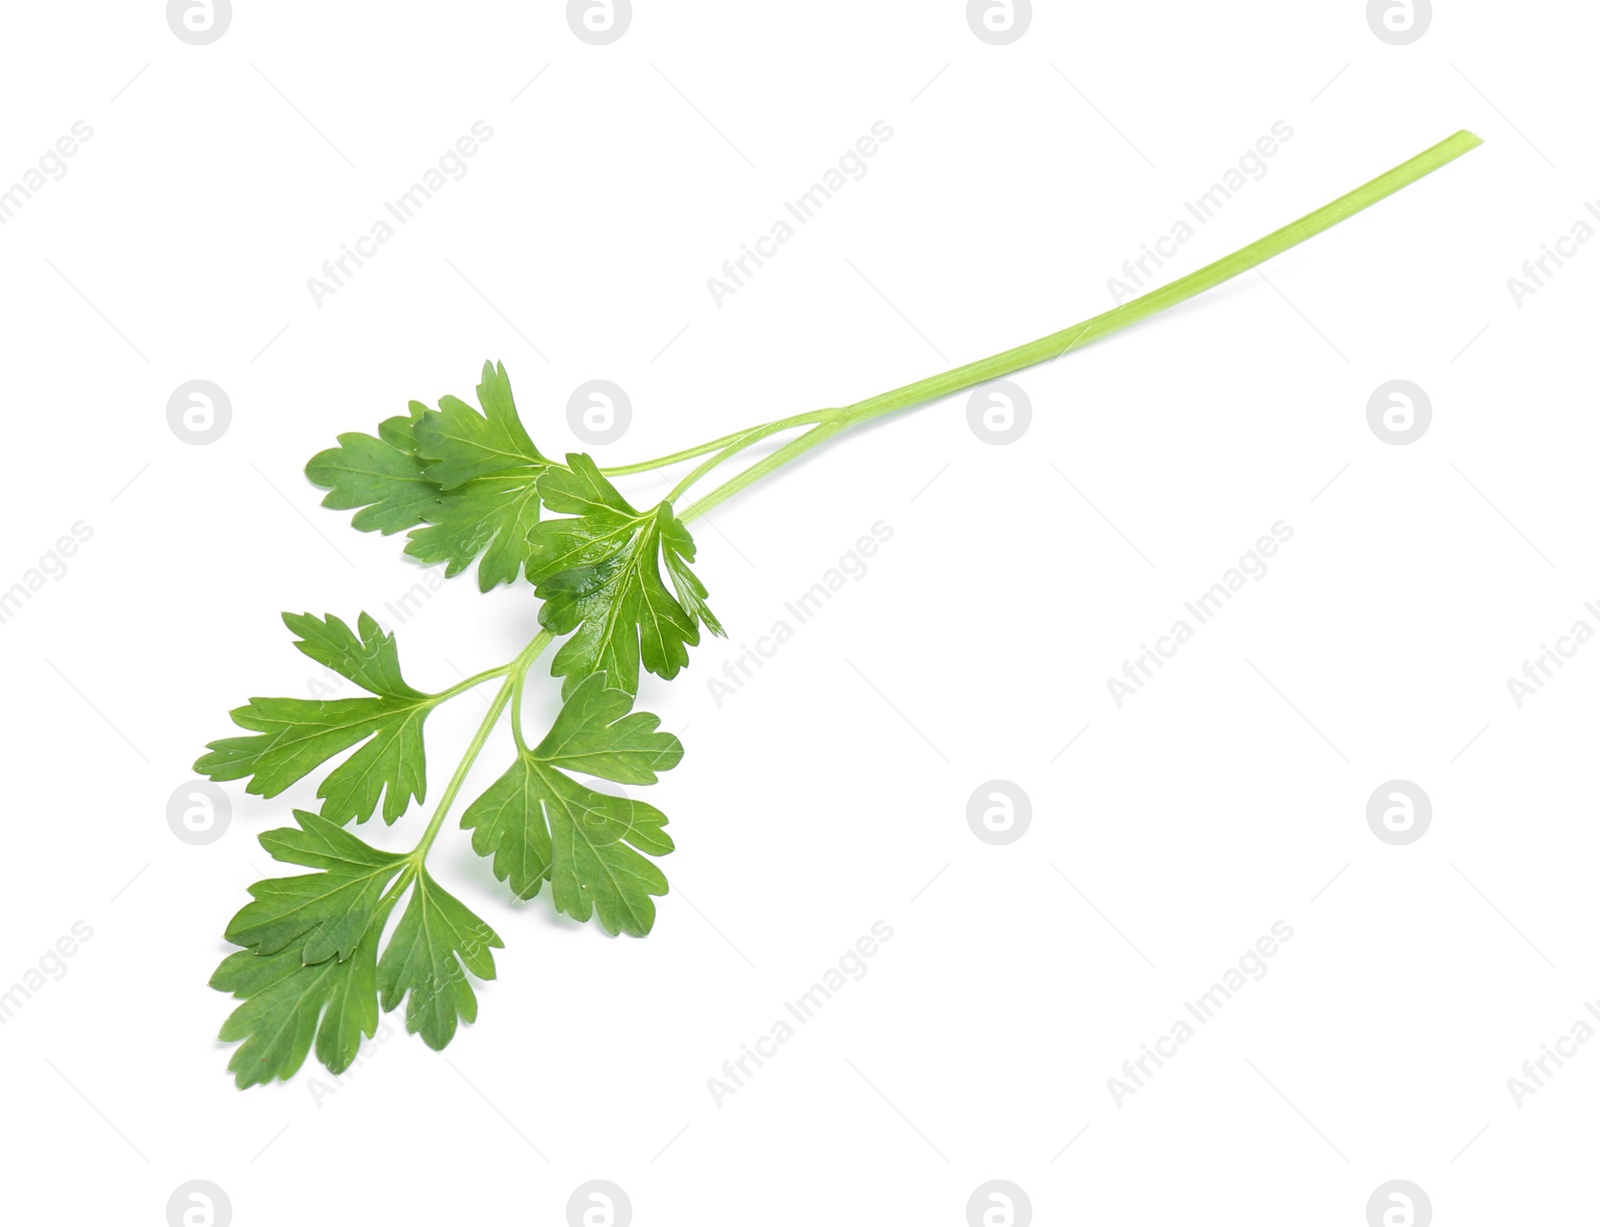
(383, 476)
(599, 575)
(310, 970)
(309, 967)
(436, 939)
(288, 1003)
(322, 915)
(370, 659)
(677, 551)
(464, 482)
(461, 444)
(487, 470)
(295, 736)
(492, 516)
(541, 824)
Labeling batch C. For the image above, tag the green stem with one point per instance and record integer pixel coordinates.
(754, 435)
(789, 451)
(396, 888)
(661, 462)
(477, 679)
(515, 671)
(1081, 334)
(518, 684)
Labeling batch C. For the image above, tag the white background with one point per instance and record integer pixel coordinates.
(1170, 835)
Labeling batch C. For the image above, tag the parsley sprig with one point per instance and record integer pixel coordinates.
(317, 959)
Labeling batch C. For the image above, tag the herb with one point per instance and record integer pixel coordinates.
(468, 485)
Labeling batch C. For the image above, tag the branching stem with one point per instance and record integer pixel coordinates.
(514, 673)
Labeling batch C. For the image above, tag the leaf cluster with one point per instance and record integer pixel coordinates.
(322, 954)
